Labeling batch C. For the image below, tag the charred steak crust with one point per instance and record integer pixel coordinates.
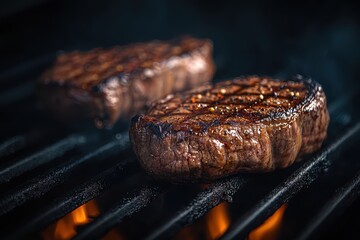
(250, 124)
(107, 84)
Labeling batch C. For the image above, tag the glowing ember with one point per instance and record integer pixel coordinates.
(65, 228)
(212, 226)
(270, 228)
(79, 215)
(91, 209)
(218, 221)
(112, 235)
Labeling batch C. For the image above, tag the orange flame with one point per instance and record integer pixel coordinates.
(212, 226)
(79, 215)
(269, 230)
(65, 228)
(112, 235)
(218, 221)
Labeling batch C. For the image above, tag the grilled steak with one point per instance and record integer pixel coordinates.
(250, 124)
(107, 84)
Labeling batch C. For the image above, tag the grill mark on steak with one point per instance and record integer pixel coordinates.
(218, 103)
(107, 84)
(249, 124)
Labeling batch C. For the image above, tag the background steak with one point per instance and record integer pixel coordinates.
(248, 124)
(105, 84)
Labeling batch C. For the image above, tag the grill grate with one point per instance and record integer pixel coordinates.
(38, 186)
(12, 145)
(94, 152)
(343, 197)
(138, 200)
(37, 159)
(303, 177)
(218, 192)
(78, 196)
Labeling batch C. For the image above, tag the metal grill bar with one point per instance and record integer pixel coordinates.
(80, 195)
(281, 194)
(21, 141)
(17, 93)
(344, 197)
(12, 145)
(215, 194)
(42, 184)
(128, 206)
(56, 150)
(26, 68)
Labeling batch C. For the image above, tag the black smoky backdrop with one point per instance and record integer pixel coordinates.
(319, 39)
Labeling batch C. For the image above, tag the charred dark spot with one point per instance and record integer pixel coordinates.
(165, 127)
(96, 88)
(204, 126)
(160, 130)
(232, 123)
(135, 119)
(215, 123)
(154, 128)
(180, 136)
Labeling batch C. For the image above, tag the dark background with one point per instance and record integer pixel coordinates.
(320, 39)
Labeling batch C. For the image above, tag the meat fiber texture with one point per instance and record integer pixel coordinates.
(107, 84)
(250, 124)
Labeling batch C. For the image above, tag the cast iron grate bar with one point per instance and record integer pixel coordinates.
(299, 179)
(26, 67)
(17, 93)
(56, 150)
(12, 145)
(220, 191)
(21, 141)
(77, 197)
(343, 198)
(139, 199)
(40, 185)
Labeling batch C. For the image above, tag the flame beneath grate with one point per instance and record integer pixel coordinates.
(218, 221)
(65, 228)
(269, 230)
(212, 226)
(215, 224)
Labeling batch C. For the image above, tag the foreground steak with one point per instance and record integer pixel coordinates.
(107, 84)
(248, 124)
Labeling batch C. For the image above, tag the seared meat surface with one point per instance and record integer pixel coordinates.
(107, 84)
(250, 124)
